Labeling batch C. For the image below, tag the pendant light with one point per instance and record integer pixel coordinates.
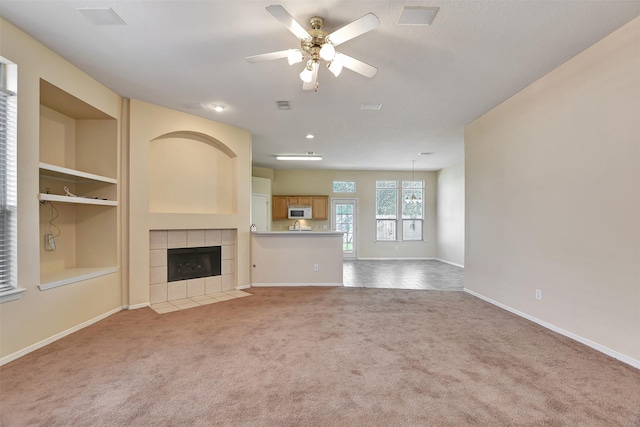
(412, 198)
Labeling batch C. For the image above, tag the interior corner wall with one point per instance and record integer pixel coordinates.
(39, 316)
(553, 198)
(450, 214)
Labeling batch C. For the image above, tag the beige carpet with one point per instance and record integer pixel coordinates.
(320, 357)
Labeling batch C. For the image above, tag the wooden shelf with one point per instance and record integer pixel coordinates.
(72, 275)
(77, 200)
(65, 174)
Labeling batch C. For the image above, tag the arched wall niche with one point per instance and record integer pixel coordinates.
(191, 172)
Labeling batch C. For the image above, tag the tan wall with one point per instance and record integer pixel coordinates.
(553, 197)
(262, 172)
(282, 259)
(148, 123)
(260, 185)
(40, 315)
(320, 182)
(451, 214)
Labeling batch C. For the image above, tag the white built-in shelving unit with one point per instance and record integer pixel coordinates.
(78, 189)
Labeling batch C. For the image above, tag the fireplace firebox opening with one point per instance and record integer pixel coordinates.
(193, 263)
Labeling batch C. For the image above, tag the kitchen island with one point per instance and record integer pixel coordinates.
(296, 258)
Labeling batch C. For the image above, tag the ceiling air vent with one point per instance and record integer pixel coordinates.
(101, 15)
(417, 15)
(283, 105)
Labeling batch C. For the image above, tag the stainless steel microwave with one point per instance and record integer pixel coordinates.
(299, 212)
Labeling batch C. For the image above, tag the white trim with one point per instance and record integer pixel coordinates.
(76, 200)
(74, 175)
(11, 295)
(136, 306)
(599, 347)
(56, 337)
(449, 262)
(73, 275)
(265, 285)
(397, 259)
(243, 287)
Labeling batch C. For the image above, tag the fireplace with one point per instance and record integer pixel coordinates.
(161, 242)
(193, 263)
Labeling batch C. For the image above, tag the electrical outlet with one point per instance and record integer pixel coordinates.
(49, 242)
(538, 294)
(316, 267)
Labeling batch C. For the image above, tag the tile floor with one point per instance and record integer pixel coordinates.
(397, 274)
(181, 304)
(403, 274)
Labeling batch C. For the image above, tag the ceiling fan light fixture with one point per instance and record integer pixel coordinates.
(335, 68)
(327, 52)
(307, 74)
(294, 56)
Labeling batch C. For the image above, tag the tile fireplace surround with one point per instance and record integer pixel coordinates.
(160, 240)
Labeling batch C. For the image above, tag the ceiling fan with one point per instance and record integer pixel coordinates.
(317, 46)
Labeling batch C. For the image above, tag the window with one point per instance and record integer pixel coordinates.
(412, 210)
(344, 186)
(8, 185)
(386, 210)
(410, 204)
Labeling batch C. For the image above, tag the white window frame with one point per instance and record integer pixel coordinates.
(9, 290)
(392, 220)
(333, 187)
(400, 218)
(417, 188)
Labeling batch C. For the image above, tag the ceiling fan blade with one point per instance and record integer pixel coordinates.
(281, 14)
(355, 65)
(267, 56)
(360, 26)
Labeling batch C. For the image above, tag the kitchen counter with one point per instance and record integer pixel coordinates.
(296, 258)
(300, 233)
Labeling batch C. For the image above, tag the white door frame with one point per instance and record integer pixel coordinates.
(353, 201)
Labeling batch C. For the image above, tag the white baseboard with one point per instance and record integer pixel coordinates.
(56, 337)
(136, 306)
(602, 349)
(243, 287)
(395, 259)
(449, 262)
(266, 285)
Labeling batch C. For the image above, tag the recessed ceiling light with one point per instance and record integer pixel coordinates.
(309, 136)
(218, 108)
(424, 153)
(371, 107)
(101, 15)
(417, 15)
(301, 157)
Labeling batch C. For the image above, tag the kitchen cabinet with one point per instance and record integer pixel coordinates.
(319, 204)
(280, 207)
(299, 200)
(320, 207)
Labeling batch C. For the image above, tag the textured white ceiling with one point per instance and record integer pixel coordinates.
(431, 80)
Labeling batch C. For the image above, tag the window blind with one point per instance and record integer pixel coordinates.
(8, 184)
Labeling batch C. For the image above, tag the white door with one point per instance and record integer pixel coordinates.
(260, 211)
(344, 218)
